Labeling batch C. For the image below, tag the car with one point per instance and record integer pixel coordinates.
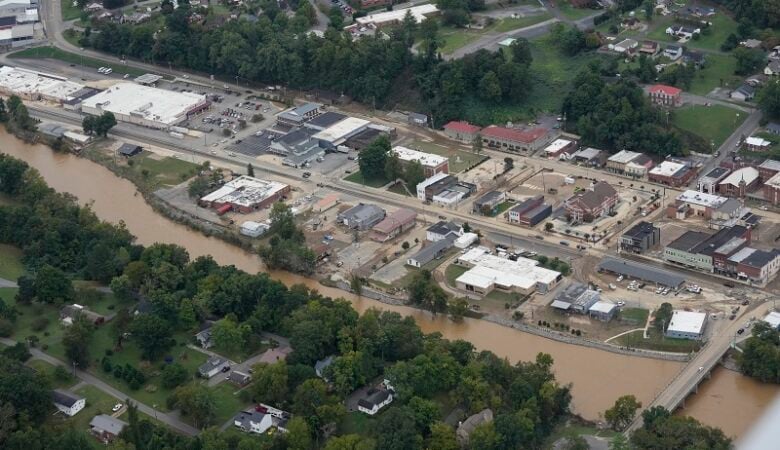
(306, 174)
(746, 302)
(564, 243)
(540, 237)
(729, 284)
(340, 263)
(732, 317)
(620, 278)
(740, 331)
(621, 303)
(213, 152)
(701, 368)
(126, 76)
(117, 407)
(225, 369)
(612, 286)
(764, 208)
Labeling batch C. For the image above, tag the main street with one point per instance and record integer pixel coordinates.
(168, 419)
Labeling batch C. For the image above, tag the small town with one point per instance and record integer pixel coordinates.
(370, 225)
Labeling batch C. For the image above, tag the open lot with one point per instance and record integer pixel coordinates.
(717, 69)
(11, 267)
(722, 26)
(164, 170)
(69, 10)
(455, 38)
(459, 159)
(713, 123)
(47, 370)
(571, 12)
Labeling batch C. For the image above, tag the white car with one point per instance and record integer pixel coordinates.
(621, 303)
(620, 278)
(116, 407)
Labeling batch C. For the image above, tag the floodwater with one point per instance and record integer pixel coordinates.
(598, 377)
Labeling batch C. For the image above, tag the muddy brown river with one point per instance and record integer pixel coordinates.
(729, 400)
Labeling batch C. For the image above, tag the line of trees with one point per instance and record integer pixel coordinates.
(761, 354)
(99, 125)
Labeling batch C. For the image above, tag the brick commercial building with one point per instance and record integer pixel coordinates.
(709, 183)
(640, 237)
(696, 249)
(757, 266)
(560, 148)
(461, 131)
(245, 194)
(529, 212)
(515, 141)
(431, 163)
(672, 173)
(768, 169)
(702, 204)
(772, 190)
(361, 216)
(593, 203)
(739, 183)
(665, 95)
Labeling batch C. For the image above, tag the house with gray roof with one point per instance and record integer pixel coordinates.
(577, 297)
(68, 402)
(213, 366)
(466, 427)
(442, 230)
(743, 93)
(374, 400)
(433, 250)
(106, 428)
(361, 216)
(297, 115)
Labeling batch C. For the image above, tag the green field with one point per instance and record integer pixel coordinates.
(717, 69)
(636, 315)
(48, 371)
(452, 273)
(356, 423)
(69, 10)
(11, 267)
(165, 171)
(455, 38)
(357, 177)
(722, 26)
(75, 59)
(566, 430)
(228, 402)
(657, 341)
(714, 123)
(573, 13)
(400, 189)
(459, 160)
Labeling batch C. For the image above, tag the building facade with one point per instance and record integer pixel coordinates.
(640, 237)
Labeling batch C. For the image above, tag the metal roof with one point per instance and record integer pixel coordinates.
(641, 271)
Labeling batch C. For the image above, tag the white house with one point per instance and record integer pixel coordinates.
(687, 325)
(375, 399)
(213, 366)
(680, 31)
(253, 422)
(68, 402)
(673, 52)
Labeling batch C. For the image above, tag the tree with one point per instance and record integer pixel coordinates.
(393, 168)
(649, 7)
(195, 400)
(521, 52)
(623, 412)
(442, 438)
(424, 413)
(576, 443)
(768, 99)
(476, 145)
(18, 352)
(761, 354)
(298, 436)
(173, 375)
(53, 286)
(152, 334)
(424, 291)
(229, 335)
(458, 308)
(662, 316)
(77, 339)
(347, 372)
(270, 382)
(26, 292)
(350, 442)
(12, 173)
(619, 442)
(484, 437)
(250, 170)
(99, 125)
(661, 430)
(509, 164)
(27, 391)
(489, 88)
(548, 227)
(18, 114)
(396, 426)
(414, 175)
(749, 60)
(373, 158)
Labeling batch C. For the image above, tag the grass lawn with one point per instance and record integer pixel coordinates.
(573, 13)
(48, 371)
(722, 26)
(242, 354)
(657, 341)
(718, 69)
(356, 423)
(69, 10)
(455, 38)
(501, 207)
(357, 177)
(228, 402)
(460, 160)
(503, 297)
(167, 171)
(45, 317)
(713, 123)
(567, 430)
(98, 402)
(11, 267)
(636, 315)
(452, 273)
(399, 189)
(73, 58)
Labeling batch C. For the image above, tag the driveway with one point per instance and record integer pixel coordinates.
(270, 356)
(7, 283)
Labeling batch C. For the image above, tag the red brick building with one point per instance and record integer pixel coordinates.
(461, 131)
(515, 141)
(663, 95)
(672, 173)
(593, 203)
(772, 190)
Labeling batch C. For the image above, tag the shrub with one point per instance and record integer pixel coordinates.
(39, 323)
(6, 328)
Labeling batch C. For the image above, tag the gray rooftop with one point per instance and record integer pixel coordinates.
(429, 252)
(107, 423)
(640, 230)
(325, 120)
(490, 197)
(689, 240)
(578, 294)
(770, 164)
(760, 258)
(65, 398)
(717, 172)
(442, 228)
(211, 364)
(641, 271)
(374, 397)
(362, 211)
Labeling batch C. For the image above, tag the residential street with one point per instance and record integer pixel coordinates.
(7, 283)
(168, 419)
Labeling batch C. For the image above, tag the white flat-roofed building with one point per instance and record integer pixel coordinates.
(146, 106)
(336, 134)
(245, 194)
(32, 85)
(603, 310)
(757, 144)
(487, 272)
(427, 182)
(448, 198)
(253, 229)
(701, 199)
(432, 163)
(773, 319)
(671, 173)
(687, 325)
(419, 13)
(559, 147)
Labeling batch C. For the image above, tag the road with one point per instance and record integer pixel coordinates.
(7, 283)
(168, 419)
(702, 364)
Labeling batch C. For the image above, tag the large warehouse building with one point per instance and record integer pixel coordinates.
(487, 272)
(145, 106)
(32, 85)
(245, 194)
